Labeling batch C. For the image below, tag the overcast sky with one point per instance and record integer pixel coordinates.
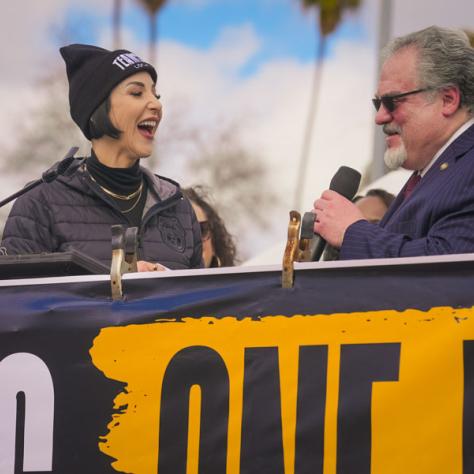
(248, 61)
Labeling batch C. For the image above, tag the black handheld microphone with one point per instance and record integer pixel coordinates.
(345, 182)
(59, 168)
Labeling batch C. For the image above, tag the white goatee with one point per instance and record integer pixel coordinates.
(395, 157)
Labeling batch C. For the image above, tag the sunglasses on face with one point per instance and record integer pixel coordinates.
(390, 101)
(205, 230)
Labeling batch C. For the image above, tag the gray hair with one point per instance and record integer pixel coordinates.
(445, 59)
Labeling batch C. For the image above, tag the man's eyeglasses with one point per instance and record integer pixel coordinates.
(205, 230)
(390, 101)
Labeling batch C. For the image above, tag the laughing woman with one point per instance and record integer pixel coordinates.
(113, 100)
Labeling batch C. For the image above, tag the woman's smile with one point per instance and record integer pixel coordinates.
(148, 128)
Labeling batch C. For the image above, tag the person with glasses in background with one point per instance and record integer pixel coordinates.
(218, 247)
(424, 103)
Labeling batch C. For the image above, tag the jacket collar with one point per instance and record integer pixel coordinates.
(162, 190)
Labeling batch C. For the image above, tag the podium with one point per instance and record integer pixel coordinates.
(68, 263)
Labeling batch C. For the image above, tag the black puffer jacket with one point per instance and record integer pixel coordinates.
(72, 212)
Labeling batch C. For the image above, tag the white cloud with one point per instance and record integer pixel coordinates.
(271, 106)
(235, 46)
(26, 31)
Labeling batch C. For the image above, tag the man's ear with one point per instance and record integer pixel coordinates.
(451, 97)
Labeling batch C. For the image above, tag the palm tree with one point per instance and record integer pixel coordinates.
(116, 23)
(330, 13)
(152, 8)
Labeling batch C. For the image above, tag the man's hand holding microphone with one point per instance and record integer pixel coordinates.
(334, 213)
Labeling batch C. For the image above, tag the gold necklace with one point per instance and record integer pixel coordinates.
(136, 202)
(127, 197)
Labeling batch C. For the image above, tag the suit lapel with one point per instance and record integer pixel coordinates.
(448, 159)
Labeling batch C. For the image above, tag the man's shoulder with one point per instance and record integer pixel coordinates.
(463, 145)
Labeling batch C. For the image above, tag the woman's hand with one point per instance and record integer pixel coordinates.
(144, 266)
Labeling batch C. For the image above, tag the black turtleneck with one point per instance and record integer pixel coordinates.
(118, 180)
(123, 181)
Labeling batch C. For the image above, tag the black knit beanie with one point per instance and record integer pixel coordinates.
(92, 73)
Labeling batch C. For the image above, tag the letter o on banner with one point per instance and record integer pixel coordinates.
(27, 373)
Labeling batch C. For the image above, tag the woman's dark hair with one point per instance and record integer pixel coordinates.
(223, 242)
(100, 123)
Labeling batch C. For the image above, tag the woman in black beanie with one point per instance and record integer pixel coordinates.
(113, 100)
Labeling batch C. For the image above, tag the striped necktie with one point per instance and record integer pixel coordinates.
(411, 183)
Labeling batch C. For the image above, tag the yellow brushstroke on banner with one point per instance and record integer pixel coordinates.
(416, 421)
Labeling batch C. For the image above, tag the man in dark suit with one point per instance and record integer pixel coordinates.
(425, 103)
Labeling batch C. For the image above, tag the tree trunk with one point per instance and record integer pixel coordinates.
(308, 135)
(153, 39)
(116, 23)
(152, 160)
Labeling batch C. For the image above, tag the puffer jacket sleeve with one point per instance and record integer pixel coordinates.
(28, 229)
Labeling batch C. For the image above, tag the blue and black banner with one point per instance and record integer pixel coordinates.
(355, 370)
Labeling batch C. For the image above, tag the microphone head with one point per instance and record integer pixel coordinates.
(60, 167)
(346, 182)
(65, 164)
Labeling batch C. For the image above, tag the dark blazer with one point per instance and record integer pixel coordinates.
(437, 218)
